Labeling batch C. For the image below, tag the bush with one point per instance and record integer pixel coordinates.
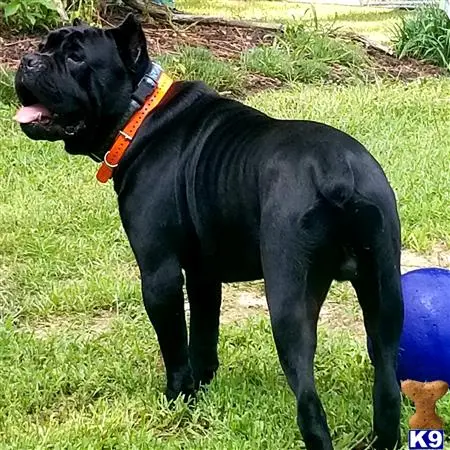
(424, 35)
(278, 63)
(304, 54)
(29, 14)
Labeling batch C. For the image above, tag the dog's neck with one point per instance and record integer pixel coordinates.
(145, 87)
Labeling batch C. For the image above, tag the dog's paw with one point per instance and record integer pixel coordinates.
(204, 376)
(388, 443)
(188, 396)
(181, 385)
(204, 367)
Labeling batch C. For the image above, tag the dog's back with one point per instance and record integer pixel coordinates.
(243, 166)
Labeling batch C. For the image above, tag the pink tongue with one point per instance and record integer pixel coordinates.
(28, 114)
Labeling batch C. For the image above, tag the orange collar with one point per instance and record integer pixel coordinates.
(125, 137)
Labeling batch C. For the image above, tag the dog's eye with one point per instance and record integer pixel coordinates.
(75, 59)
(75, 63)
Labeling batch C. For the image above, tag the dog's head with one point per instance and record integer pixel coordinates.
(78, 83)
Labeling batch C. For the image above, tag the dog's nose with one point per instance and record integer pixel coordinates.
(32, 62)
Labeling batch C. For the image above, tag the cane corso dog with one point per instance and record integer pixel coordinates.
(212, 191)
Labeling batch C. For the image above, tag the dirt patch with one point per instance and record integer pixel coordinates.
(226, 43)
(92, 326)
(243, 300)
(405, 69)
(440, 257)
(12, 47)
(223, 41)
(248, 299)
(241, 303)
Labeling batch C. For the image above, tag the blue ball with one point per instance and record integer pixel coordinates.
(424, 353)
(425, 342)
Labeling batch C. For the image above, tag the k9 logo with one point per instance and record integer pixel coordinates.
(426, 439)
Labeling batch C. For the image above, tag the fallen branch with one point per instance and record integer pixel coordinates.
(21, 41)
(371, 44)
(148, 7)
(210, 20)
(166, 14)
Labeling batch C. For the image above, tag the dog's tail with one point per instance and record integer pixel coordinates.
(334, 179)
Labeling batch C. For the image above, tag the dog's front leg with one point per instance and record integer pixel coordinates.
(162, 290)
(205, 294)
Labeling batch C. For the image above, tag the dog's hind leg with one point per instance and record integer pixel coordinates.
(296, 289)
(204, 295)
(378, 289)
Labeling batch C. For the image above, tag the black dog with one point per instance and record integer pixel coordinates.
(227, 193)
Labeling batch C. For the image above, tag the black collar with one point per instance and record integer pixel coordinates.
(144, 88)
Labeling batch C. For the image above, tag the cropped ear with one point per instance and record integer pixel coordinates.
(77, 22)
(131, 43)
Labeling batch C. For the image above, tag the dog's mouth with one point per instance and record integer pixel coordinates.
(41, 122)
(36, 113)
(33, 110)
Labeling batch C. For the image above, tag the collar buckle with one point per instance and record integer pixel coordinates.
(147, 84)
(108, 164)
(126, 136)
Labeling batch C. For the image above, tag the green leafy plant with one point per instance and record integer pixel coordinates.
(29, 14)
(424, 35)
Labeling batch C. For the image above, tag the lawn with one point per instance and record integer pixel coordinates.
(373, 22)
(79, 362)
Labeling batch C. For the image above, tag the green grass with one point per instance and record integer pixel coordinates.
(306, 54)
(62, 247)
(303, 54)
(280, 63)
(195, 63)
(278, 10)
(103, 390)
(374, 22)
(7, 92)
(80, 366)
